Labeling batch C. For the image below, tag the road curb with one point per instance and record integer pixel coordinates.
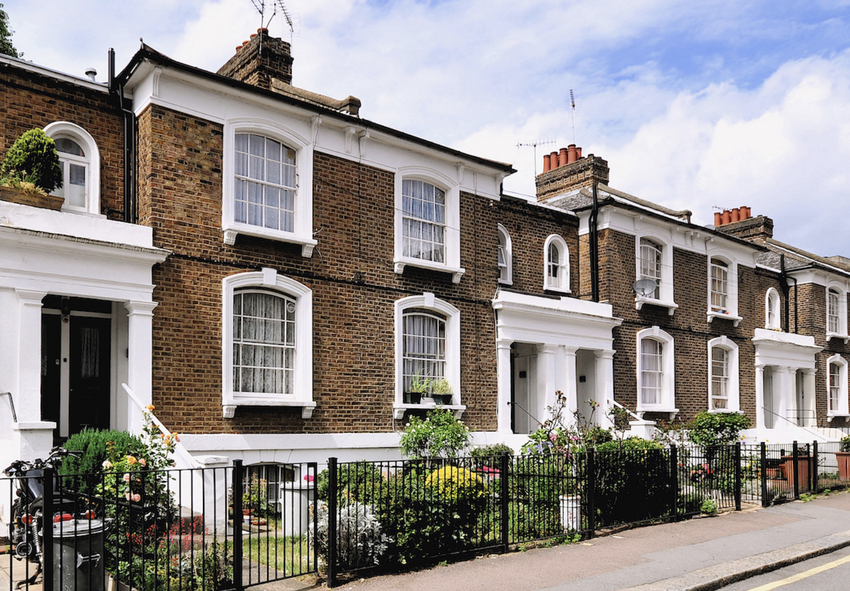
(720, 575)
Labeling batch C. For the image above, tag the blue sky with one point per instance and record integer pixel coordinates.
(694, 104)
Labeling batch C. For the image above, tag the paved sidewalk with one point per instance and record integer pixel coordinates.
(694, 555)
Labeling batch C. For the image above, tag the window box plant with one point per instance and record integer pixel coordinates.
(30, 171)
(418, 388)
(441, 391)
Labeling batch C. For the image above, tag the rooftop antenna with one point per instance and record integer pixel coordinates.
(573, 113)
(534, 145)
(275, 7)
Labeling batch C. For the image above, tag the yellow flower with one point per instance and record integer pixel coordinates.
(176, 437)
(150, 407)
(131, 460)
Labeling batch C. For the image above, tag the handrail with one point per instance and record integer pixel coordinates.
(815, 433)
(638, 418)
(179, 447)
(11, 405)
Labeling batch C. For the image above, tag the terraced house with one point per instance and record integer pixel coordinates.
(286, 280)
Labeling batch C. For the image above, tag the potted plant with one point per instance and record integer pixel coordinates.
(441, 391)
(843, 458)
(418, 387)
(31, 170)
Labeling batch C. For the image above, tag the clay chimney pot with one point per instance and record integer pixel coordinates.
(726, 217)
(736, 215)
(571, 153)
(563, 157)
(578, 153)
(553, 160)
(546, 165)
(717, 221)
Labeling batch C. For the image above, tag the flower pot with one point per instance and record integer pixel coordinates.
(412, 397)
(804, 466)
(843, 459)
(442, 398)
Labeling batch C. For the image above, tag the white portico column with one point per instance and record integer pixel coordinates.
(570, 387)
(34, 436)
(546, 380)
(140, 361)
(760, 411)
(503, 385)
(809, 395)
(604, 394)
(787, 392)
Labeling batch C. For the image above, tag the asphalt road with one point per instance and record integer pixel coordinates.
(830, 572)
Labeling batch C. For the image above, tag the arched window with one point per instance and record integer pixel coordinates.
(504, 256)
(723, 388)
(427, 343)
(837, 402)
(267, 356)
(655, 371)
(557, 267)
(268, 186)
(771, 310)
(836, 313)
(80, 161)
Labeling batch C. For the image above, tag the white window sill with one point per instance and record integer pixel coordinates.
(505, 282)
(671, 305)
(564, 290)
(736, 320)
(657, 409)
(836, 335)
(722, 411)
(231, 231)
(836, 415)
(229, 407)
(400, 409)
(400, 263)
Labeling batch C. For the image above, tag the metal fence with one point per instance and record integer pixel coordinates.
(193, 529)
(182, 530)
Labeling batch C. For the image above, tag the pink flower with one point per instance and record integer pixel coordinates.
(126, 478)
(137, 497)
(309, 478)
(127, 496)
(143, 461)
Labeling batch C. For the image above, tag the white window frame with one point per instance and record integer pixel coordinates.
(840, 314)
(428, 302)
(843, 407)
(302, 395)
(451, 263)
(733, 398)
(665, 279)
(667, 404)
(302, 233)
(772, 309)
(730, 312)
(72, 131)
(506, 248)
(562, 284)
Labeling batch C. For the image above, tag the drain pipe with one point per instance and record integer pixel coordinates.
(784, 277)
(594, 247)
(129, 142)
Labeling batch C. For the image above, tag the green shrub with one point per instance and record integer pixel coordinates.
(93, 447)
(720, 428)
(33, 158)
(360, 482)
(360, 541)
(536, 486)
(440, 435)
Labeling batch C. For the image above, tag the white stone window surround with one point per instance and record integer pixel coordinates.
(841, 314)
(731, 311)
(843, 407)
(772, 320)
(665, 285)
(303, 230)
(506, 277)
(562, 282)
(452, 223)
(427, 301)
(732, 370)
(667, 403)
(303, 380)
(65, 129)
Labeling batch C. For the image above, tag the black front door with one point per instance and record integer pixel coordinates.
(88, 379)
